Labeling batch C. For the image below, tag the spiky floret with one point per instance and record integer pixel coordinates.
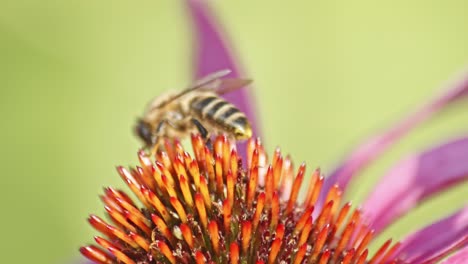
(211, 209)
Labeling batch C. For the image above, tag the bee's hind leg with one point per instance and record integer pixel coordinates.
(203, 132)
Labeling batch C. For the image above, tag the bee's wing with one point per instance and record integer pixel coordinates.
(228, 85)
(212, 82)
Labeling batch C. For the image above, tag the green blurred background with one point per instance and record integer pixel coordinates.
(74, 76)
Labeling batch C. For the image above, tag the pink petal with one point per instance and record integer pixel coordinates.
(213, 53)
(437, 240)
(376, 145)
(415, 179)
(459, 257)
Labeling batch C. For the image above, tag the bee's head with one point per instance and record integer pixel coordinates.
(143, 130)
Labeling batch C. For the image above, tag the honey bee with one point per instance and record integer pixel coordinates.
(198, 108)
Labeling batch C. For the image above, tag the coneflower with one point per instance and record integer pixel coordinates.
(233, 204)
(215, 207)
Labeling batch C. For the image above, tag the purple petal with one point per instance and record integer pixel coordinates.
(459, 257)
(213, 53)
(415, 179)
(437, 240)
(374, 146)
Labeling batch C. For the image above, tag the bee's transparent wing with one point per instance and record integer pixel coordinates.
(222, 86)
(213, 82)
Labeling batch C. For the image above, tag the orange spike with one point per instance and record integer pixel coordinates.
(160, 246)
(169, 148)
(119, 218)
(342, 215)
(179, 166)
(122, 236)
(226, 153)
(168, 186)
(362, 258)
(246, 235)
(276, 156)
(164, 164)
(250, 150)
(109, 201)
(161, 226)
(277, 171)
(165, 159)
(230, 182)
(160, 207)
(218, 145)
(344, 240)
(187, 234)
(132, 183)
(197, 145)
(204, 192)
(96, 254)
(105, 243)
(390, 253)
(187, 159)
(269, 185)
(165, 171)
(363, 245)
(306, 232)
(320, 241)
(141, 241)
(252, 187)
(179, 150)
(287, 178)
(219, 175)
(234, 164)
(380, 252)
(146, 177)
(348, 257)
(184, 186)
(356, 217)
(195, 172)
(201, 209)
(209, 164)
(179, 208)
(99, 224)
(303, 220)
(213, 231)
(136, 216)
(234, 253)
(120, 256)
(279, 233)
(200, 258)
(312, 183)
(227, 209)
(334, 194)
(324, 216)
(295, 188)
(274, 250)
(275, 208)
(258, 210)
(300, 254)
(325, 257)
(315, 194)
(254, 160)
(157, 177)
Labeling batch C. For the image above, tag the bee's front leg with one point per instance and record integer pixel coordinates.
(203, 132)
(158, 135)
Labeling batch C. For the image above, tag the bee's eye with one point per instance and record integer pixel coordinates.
(143, 130)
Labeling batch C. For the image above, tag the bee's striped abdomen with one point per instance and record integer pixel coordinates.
(222, 114)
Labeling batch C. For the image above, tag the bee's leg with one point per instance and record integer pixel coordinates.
(203, 132)
(200, 128)
(156, 138)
